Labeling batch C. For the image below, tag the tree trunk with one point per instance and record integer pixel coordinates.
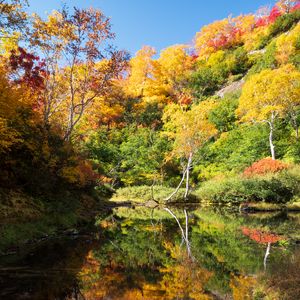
(188, 246)
(266, 255)
(186, 176)
(187, 183)
(184, 234)
(178, 187)
(272, 147)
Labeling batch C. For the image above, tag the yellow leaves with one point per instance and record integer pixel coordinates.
(173, 64)
(253, 38)
(216, 58)
(8, 42)
(141, 71)
(190, 129)
(286, 45)
(242, 287)
(54, 27)
(271, 91)
(207, 34)
(8, 136)
(158, 81)
(12, 100)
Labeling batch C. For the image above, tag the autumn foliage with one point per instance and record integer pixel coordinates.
(27, 68)
(70, 101)
(261, 237)
(264, 166)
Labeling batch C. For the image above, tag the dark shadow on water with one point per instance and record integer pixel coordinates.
(48, 272)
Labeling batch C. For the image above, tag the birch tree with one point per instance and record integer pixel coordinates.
(270, 95)
(189, 129)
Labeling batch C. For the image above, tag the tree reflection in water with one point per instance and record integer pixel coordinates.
(167, 253)
(262, 237)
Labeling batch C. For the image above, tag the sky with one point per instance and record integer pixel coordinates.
(158, 23)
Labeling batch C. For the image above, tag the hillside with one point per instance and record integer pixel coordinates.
(79, 118)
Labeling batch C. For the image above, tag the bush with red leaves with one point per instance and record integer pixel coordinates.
(264, 166)
(261, 237)
(271, 18)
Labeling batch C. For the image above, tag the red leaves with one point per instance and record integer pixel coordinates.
(227, 39)
(261, 237)
(266, 165)
(32, 70)
(296, 6)
(274, 14)
(185, 99)
(271, 18)
(194, 56)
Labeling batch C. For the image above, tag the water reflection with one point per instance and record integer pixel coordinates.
(184, 232)
(167, 253)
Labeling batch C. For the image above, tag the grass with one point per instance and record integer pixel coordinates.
(13, 235)
(142, 194)
(269, 192)
(265, 207)
(24, 217)
(293, 206)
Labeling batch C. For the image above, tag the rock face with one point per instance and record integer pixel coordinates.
(262, 51)
(235, 86)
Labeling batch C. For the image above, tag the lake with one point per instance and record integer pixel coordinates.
(163, 253)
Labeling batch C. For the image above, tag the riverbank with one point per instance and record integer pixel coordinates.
(26, 219)
(268, 192)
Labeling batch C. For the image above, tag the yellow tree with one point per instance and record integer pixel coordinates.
(14, 98)
(140, 72)
(170, 72)
(189, 129)
(159, 81)
(269, 95)
(107, 110)
(204, 38)
(80, 68)
(286, 45)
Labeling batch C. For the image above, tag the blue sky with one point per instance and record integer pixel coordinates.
(158, 23)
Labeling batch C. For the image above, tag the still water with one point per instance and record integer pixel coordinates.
(173, 253)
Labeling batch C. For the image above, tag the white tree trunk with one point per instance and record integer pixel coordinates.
(185, 176)
(272, 147)
(266, 255)
(184, 233)
(178, 187)
(187, 183)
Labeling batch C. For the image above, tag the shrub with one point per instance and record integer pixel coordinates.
(281, 25)
(291, 179)
(284, 23)
(241, 189)
(264, 166)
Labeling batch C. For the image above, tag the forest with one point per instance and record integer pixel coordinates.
(216, 120)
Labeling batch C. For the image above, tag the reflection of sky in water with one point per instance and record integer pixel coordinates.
(145, 256)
